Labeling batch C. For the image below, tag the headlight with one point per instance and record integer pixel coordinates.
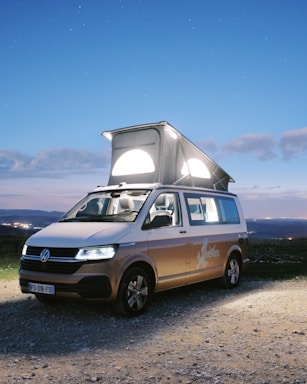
(24, 250)
(96, 253)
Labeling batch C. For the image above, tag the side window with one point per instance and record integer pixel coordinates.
(210, 210)
(201, 209)
(165, 211)
(228, 210)
(195, 209)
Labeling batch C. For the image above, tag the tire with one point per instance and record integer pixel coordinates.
(134, 293)
(232, 272)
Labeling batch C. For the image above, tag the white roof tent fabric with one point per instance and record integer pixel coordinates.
(158, 153)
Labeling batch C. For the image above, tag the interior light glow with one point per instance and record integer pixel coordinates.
(133, 162)
(196, 168)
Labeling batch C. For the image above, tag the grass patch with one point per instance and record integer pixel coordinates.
(9, 269)
(276, 271)
(277, 258)
(10, 251)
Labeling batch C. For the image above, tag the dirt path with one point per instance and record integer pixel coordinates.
(200, 334)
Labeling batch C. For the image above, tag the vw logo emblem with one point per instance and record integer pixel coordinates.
(44, 255)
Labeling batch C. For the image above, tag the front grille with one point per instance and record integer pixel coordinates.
(54, 252)
(50, 266)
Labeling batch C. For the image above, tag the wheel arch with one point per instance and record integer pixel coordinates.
(235, 250)
(232, 274)
(148, 268)
(134, 294)
(141, 264)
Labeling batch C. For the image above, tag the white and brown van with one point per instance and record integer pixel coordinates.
(124, 241)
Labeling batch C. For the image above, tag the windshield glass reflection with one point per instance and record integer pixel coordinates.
(115, 206)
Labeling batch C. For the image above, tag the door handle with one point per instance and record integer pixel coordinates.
(183, 232)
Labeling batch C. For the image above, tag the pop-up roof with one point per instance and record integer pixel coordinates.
(158, 153)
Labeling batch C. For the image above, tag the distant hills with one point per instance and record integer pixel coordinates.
(13, 221)
(277, 228)
(21, 221)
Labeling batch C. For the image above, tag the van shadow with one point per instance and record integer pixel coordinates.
(30, 328)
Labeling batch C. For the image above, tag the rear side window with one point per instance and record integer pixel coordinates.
(228, 210)
(204, 210)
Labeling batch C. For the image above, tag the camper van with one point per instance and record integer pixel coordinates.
(165, 220)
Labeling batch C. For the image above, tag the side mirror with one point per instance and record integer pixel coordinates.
(159, 221)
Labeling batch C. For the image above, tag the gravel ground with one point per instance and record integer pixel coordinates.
(200, 334)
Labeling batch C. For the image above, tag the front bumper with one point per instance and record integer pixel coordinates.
(90, 287)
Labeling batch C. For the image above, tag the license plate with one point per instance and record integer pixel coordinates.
(46, 289)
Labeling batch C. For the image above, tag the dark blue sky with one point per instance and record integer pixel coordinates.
(230, 75)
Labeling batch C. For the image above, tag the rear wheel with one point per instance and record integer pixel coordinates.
(134, 293)
(232, 273)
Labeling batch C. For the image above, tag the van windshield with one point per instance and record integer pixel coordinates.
(115, 206)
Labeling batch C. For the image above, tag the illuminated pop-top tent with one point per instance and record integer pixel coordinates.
(158, 153)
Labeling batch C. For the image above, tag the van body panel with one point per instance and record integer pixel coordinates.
(170, 251)
(209, 255)
(81, 234)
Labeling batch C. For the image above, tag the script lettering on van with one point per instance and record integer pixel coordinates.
(206, 253)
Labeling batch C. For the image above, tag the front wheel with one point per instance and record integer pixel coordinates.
(232, 272)
(134, 292)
